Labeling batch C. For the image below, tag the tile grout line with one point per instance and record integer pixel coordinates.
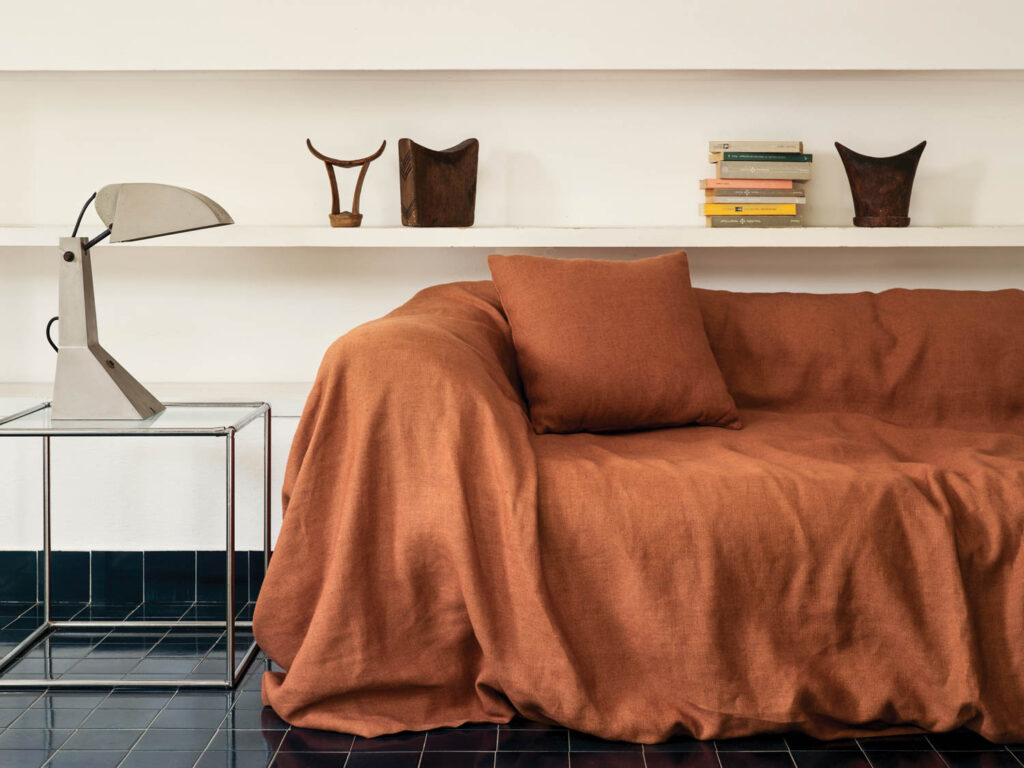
(1013, 754)
(153, 648)
(149, 727)
(77, 728)
(105, 637)
(89, 606)
(277, 751)
(227, 713)
(864, 752)
(204, 750)
(718, 757)
(643, 754)
(423, 748)
(941, 756)
(789, 750)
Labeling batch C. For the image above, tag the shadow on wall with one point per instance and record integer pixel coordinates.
(523, 170)
(951, 194)
(847, 270)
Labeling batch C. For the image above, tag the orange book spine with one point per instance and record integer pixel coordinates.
(746, 184)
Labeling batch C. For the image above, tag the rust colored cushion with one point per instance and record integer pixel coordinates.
(611, 345)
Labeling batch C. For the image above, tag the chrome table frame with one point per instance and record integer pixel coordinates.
(232, 673)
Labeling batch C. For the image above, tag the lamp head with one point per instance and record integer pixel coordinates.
(140, 211)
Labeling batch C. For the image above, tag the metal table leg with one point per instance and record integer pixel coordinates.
(233, 673)
(230, 545)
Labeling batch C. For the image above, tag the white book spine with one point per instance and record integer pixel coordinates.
(756, 146)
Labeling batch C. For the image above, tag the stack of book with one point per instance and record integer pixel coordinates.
(756, 184)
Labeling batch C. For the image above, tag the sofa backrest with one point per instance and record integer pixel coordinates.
(910, 356)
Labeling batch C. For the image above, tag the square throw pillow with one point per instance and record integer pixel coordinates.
(611, 345)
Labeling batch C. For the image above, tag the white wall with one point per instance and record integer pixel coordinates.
(526, 34)
(557, 148)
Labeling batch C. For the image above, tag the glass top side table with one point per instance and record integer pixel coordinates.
(178, 420)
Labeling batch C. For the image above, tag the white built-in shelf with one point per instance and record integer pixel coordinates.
(505, 238)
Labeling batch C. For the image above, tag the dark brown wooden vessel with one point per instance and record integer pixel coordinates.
(438, 187)
(881, 186)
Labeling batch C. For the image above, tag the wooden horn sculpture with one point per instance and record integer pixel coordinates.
(881, 186)
(438, 186)
(340, 218)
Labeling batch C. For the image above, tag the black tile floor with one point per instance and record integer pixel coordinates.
(148, 728)
(124, 653)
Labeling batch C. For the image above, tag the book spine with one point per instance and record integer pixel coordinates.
(747, 184)
(761, 157)
(734, 222)
(746, 199)
(748, 170)
(754, 192)
(756, 146)
(749, 209)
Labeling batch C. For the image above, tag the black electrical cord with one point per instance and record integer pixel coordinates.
(100, 237)
(74, 232)
(49, 325)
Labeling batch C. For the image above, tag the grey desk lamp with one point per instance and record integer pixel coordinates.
(90, 383)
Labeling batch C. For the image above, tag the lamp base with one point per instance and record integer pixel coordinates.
(91, 384)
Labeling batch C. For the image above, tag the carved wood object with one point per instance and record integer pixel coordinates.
(340, 218)
(881, 186)
(438, 186)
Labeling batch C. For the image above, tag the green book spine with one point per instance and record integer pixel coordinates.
(769, 157)
(733, 222)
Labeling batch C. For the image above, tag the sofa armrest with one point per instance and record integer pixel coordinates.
(440, 362)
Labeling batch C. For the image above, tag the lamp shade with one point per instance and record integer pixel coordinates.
(139, 211)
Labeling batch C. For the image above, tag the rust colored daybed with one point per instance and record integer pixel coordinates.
(849, 562)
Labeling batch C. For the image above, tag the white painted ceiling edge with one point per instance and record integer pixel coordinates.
(527, 34)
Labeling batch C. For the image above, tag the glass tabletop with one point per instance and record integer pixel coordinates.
(175, 419)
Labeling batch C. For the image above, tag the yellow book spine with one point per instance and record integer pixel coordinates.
(748, 209)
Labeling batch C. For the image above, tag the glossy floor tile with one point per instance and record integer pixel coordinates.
(179, 728)
(126, 652)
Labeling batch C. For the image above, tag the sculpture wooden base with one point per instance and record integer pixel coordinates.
(346, 219)
(881, 221)
(881, 186)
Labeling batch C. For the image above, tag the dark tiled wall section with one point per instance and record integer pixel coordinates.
(129, 577)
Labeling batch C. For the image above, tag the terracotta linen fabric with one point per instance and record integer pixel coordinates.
(912, 356)
(610, 345)
(822, 571)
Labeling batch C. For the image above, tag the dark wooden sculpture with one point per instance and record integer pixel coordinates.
(881, 186)
(340, 218)
(438, 186)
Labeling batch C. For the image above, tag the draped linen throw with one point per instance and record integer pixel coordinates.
(848, 563)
